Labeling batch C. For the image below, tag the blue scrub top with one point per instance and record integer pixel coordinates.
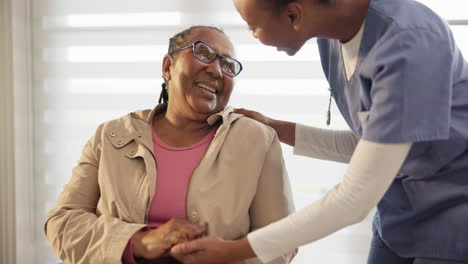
(412, 81)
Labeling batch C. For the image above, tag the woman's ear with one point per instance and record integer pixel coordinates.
(166, 66)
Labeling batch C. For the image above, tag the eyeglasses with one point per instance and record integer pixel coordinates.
(206, 54)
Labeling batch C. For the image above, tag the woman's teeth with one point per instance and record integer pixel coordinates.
(204, 86)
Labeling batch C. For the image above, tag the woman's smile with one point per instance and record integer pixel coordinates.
(208, 88)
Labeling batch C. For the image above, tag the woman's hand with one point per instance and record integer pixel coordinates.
(156, 243)
(212, 250)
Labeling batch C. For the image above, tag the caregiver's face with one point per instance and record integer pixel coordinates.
(277, 29)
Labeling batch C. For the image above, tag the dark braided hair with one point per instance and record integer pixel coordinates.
(164, 95)
(178, 41)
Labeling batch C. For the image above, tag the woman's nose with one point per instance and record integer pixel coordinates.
(214, 69)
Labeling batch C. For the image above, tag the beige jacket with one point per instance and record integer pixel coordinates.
(240, 185)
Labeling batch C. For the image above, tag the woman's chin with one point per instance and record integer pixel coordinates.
(205, 108)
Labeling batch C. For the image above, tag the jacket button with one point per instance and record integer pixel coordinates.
(194, 215)
(112, 134)
(132, 152)
(120, 142)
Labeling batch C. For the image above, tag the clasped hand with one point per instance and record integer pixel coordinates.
(170, 240)
(205, 250)
(157, 243)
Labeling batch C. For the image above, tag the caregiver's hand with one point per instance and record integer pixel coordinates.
(156, 243)
(254, 115)
(286, 130)
(212, 250)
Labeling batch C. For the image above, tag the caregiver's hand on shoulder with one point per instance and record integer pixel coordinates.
(286, 130)
(254, 115)
(156, 243)
(212, 250)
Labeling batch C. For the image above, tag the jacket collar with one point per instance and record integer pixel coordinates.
(228, 116)
(137, 126)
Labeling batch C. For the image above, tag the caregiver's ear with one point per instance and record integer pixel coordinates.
(295, 14)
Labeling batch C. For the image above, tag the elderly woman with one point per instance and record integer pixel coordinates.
(155, 178)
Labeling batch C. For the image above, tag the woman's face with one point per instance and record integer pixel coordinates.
(272, 29)
(198, 90)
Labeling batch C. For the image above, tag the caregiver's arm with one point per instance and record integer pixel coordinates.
(325, 144)
(372, 169)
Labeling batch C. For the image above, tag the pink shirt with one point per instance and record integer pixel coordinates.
(175, 167)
